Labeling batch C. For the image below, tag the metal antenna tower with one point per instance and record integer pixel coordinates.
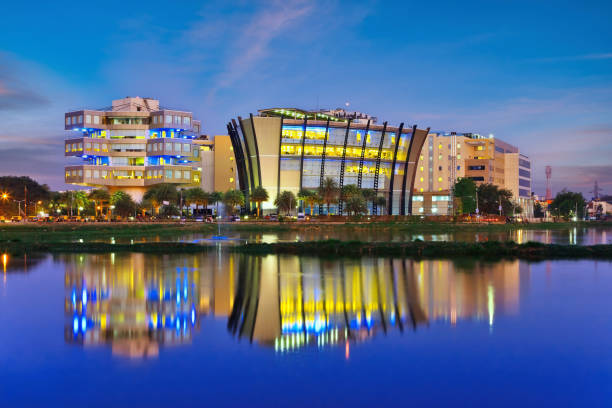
(548, 177)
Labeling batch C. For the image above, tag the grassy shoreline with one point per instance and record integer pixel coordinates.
(74, 231)
(493, 250)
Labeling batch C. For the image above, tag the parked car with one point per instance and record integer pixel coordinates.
(16, 218)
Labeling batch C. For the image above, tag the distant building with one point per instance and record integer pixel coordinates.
(131, 146)
(448, 156)
(291, 149)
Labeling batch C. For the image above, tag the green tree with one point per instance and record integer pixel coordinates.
(20, 189)
(232, 199)
(538, 211)
(464, 191)
(259, 195)
(567, 205)
(310, 198)
(349, 191)
(329, 192)
(356, 205)
(490, 196)
(100, 198)
(285, 201)
(159, 193)
(123, 204)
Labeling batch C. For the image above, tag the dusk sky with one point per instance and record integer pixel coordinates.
(537, 74)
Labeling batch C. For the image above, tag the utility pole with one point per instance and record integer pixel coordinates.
(25, 202)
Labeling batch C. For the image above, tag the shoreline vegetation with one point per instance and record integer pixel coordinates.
(491, 250)
(74, 231)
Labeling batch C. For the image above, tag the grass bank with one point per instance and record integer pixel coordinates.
(420, 249)
(70, 232)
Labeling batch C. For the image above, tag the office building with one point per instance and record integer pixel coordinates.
(448, 156)
(291, 149)
(131, 146)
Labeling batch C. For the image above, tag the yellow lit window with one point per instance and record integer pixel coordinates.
(440, 146)
(421, 189)
(421, 158)
(458, 145)
(231, 180)
(480, 148)
(421, 168)
(439, 178)
(439, 188)
(358, 136)
(368, 138)
(421, 179)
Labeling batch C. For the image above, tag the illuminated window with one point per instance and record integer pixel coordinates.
(421, 158)
(231, 180)
(440, 146)
(421, 189)
(439, 188)
(439, 157)
(440, 179)
(421, 168)
(421, 179)
(458, 145)
(480, 148)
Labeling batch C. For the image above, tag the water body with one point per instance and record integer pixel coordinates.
(223, 329)
(566, 236)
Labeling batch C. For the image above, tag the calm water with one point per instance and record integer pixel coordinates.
(230, 330)
(569, 236)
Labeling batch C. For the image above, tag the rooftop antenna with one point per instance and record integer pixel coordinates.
(548, 177)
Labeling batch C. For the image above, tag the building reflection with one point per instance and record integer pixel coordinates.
(137, 303)
(291, 302)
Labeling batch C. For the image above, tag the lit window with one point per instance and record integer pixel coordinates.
(231, 180)
(439, 157)
(421, 158)
(421, 179)
(421, 168)
(440, 146)
(177, 174)
(458, 145)
(440, 179)
(421, 189)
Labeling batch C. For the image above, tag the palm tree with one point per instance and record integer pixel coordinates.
(99, 197)
(198, 197)
(259, 195)
(356, 205)
(328, 191)
(369, 195)
(79, 198)
(381, 202)
(285, 201)
(310, 197)
(215, 198)
(233, 198)
(159, 193)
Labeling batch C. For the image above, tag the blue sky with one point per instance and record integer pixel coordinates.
(537, 74)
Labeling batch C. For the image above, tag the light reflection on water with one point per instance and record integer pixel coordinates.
(137, 303)
(99, 327)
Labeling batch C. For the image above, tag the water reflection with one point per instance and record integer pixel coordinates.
(137, 303)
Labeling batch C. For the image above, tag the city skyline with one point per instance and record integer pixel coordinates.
(525, 77)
